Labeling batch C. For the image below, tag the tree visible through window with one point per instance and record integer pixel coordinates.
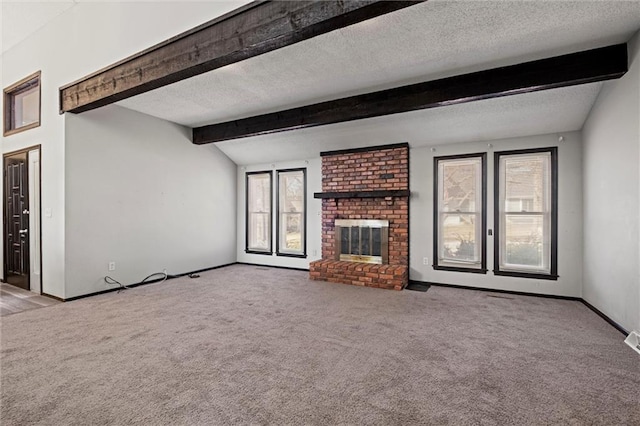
(259, 212)
(291, 212)
(459, 221)
(526, 217)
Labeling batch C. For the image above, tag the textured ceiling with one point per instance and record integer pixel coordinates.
(432, 40)
(551, 111)
(419, 43)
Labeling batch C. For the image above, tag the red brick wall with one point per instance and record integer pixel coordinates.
(395, 210)
(364, 274)
(384, 169)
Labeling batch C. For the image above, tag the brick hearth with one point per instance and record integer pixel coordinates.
(366, 274)
(383, 168)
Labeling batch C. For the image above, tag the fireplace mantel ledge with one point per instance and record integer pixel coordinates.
(363, 194)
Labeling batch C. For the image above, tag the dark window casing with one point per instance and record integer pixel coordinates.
(553, 274)
(248, 213)
(483, 222)
(279, 250)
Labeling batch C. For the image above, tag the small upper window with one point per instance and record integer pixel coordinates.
(22, 105)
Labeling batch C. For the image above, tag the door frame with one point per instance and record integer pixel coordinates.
(4, 212)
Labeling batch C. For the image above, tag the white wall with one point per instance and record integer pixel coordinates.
(314, 215)
(421, 215)
(21, 61)
(612, 198)
(569, 216)
(140, 194)
(87, 37)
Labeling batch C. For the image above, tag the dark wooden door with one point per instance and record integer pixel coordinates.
(16, 202)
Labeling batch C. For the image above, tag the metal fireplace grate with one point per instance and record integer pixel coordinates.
(362, 240)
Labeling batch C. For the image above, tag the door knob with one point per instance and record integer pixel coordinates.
(23, 231)
(25, 211)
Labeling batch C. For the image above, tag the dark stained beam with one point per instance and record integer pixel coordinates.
(560, 71)
(257, 28)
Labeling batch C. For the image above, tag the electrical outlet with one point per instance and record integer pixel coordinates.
(315, 252)
(425, 260)
(112, 266)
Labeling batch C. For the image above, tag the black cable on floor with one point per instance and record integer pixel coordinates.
(112, 281)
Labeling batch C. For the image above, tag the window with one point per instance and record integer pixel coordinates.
(459, 219)
(526, 213)
(258, 229)
(22, 105)
(291, 213)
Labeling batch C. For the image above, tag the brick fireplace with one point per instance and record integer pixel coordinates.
(363, 187)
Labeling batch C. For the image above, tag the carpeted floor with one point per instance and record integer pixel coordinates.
(251, 345)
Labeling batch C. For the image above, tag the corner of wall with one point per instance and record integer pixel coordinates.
(611, 154)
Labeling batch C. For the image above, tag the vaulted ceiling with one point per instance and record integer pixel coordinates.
(427, 41)
(424, 42)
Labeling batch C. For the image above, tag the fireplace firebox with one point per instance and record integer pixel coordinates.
(362, 240)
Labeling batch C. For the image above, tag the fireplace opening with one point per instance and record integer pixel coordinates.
(361, 240)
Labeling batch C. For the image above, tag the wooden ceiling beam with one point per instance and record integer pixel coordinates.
(567, 70)
(257, 28)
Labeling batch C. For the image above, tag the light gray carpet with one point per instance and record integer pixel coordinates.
(251, 345)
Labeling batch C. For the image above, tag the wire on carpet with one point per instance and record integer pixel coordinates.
(112, 281)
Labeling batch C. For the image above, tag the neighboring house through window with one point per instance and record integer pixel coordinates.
(526, 213)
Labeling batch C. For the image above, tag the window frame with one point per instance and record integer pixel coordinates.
(483, 211)
(248, 250)
(553, 216)
(9, 95)
(304, 215)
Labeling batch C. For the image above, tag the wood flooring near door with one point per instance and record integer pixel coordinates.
(14, 300)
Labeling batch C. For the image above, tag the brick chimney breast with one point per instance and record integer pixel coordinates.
(361, 171)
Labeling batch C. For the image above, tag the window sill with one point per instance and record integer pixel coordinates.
(459, 269)
(267, 253)
(21, 129)
(534, 275)
(301, 256)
